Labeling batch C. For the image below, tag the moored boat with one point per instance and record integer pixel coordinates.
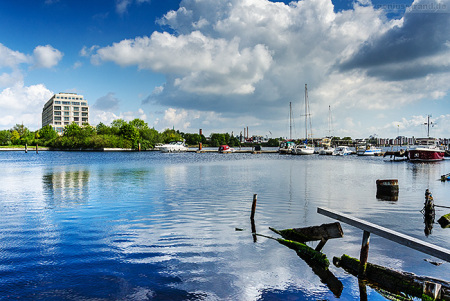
(226, 149)
(367, 150)
(426, 150)
(286, 147)
(326, 147)
(303, 149)
(173, 147)
(342, 151)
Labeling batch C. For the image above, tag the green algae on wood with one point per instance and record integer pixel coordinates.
(391, 280)
(304, 250)
(444, 221)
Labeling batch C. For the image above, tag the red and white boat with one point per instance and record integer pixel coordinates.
(426, 150)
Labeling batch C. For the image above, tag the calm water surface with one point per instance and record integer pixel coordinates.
(143, 226)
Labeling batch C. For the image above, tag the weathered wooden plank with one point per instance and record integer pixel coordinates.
(313, 233)
(392, 280)
(395, 236)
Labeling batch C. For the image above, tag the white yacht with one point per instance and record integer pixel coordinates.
(303, 149)
(173, 147)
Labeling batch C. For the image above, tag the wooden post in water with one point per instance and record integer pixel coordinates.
(26, 148)
(37, 152)
(364, 255)
(200, 146)
(252, 216)
(139, 146)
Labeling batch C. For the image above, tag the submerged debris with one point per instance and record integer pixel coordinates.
(395, 281)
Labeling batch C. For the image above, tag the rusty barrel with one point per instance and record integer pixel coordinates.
(387, 189)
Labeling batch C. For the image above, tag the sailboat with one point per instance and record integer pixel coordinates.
(304, 149)
(327, 149)
(287, 146)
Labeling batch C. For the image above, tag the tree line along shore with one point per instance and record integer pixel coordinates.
(135, 134)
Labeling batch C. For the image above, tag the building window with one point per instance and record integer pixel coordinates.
(57, 113)
(57, 107)
(66, 113)
(75, 103)
(66, 102)
(66, 118)
(57, 102)
(84, 114)
(76, 114)
(76, 119)
(84, 109)
(76, 108)
(57, 118)
(66, 108)
(57, 123)
(66, 123)
(84, 119)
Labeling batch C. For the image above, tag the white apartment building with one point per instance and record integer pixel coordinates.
(63, 109)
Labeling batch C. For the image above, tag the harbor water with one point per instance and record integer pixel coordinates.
(154, 226)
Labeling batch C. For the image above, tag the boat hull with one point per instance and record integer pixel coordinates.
(425, 155)
(369, 153)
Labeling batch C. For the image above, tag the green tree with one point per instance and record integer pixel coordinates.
(15, 137)
(273, 142)
(47, 134)
(21, 129)
(139, 124)
(171, 135)
(5, 137)
(103, 129)
(130, 133)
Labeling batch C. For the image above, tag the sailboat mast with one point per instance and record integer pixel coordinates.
(290, 120)
(306, 113)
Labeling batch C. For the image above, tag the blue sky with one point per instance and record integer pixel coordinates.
(381, 66)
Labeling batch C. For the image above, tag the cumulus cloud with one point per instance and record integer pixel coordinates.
(252, 57)
(46, 56)
(20, 103)
(106, 117)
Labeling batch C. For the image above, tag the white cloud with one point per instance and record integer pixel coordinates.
(20, 103)
(199, 63)
(122, 5)
(251, 57)
(12, 59)
(46, 56)
(106, 117)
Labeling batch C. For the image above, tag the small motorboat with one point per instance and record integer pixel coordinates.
(342, 151)
(226, 149)
(367, 150)
(286, 147)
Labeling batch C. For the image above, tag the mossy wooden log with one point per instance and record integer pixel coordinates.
(324, 231)
(391, 280)
(444, 221)
(319, 264)
(306, 251)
